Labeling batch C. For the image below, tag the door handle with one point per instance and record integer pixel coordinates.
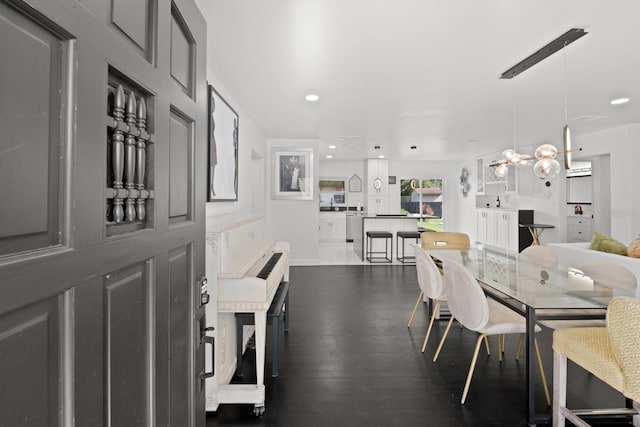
(204, 374)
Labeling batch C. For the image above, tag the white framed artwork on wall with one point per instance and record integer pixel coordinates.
(292, 173)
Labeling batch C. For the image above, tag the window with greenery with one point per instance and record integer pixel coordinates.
(423, 197)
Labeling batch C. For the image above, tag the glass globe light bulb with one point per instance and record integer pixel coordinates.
(502, 170)
(546, 151)
(546, 168)
(525, 161)
(515, 159)
(508, 154)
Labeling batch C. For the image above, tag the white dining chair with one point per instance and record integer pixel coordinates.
(470, 306)
(436, 240)
(430, 282)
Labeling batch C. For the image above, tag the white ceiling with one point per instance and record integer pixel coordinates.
(425, 72)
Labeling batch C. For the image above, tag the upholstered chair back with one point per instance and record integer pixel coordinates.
(444, 240)
(465, 298)
(429, 277)
(623, 328)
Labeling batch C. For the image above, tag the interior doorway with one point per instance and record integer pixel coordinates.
(601, 173)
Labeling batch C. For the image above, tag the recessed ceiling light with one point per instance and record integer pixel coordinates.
(381, 156)
(329, 156)
(332, 146)
(312, 97)
(619, 101)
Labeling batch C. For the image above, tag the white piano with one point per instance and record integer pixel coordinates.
(244, 269)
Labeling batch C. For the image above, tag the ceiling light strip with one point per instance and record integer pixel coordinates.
(544, 52)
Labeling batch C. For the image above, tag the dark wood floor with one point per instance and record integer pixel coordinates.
(349, 360)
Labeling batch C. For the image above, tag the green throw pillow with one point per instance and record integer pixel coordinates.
(603, 243)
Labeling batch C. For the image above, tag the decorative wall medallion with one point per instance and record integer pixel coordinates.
(377, 184)
(355, 184)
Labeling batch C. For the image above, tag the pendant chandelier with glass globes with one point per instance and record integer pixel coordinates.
(546, 166)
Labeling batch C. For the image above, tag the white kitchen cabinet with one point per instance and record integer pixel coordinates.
(378, 205)
(378, 186)
(487, 180)
(333, 226)
(377, 177)
(482, 224)
(490, 177)
(501, 228)
(507, 230)
(579, 229)
(486, 223)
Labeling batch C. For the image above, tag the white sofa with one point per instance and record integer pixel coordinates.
(577, 254)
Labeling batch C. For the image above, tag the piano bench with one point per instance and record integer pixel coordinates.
(374, 256)
(280, 299)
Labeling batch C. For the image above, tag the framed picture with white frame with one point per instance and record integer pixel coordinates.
(292, 173)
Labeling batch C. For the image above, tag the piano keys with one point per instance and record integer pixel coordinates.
(246, 287)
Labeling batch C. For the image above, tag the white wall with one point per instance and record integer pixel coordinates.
(294, 221)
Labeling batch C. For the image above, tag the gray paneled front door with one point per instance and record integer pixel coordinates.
(102, 195)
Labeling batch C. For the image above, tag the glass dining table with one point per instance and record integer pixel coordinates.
(538, 293)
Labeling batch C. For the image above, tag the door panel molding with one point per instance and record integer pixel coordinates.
(34, 118)
(181, 167)
(126, 335)
(30, 344)
(136, 22)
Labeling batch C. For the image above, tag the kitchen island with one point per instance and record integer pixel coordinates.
(390, 223)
